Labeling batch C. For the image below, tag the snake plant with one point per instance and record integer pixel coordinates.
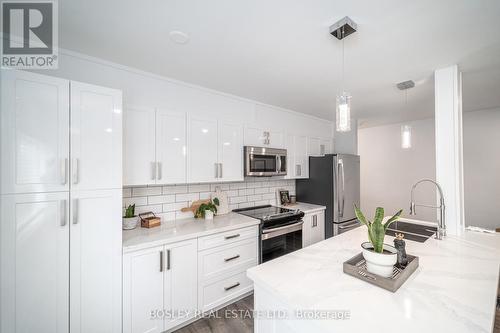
(130, 211)
(376, 230)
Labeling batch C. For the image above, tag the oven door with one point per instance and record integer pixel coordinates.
(279, 241)
(265, 161)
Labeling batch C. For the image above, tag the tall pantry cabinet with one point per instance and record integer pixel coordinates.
(61, 188)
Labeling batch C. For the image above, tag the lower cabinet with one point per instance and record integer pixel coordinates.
(313, 229)
(165, 286)
(159, 287)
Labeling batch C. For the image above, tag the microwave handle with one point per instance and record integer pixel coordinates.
(278, 162)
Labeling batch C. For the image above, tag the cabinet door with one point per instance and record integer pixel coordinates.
(95, 266)
(170, 147)
(143, 291)
(34, 133)
(317, 227)
(139, 146)
(254, 137)
(96, 137)
(276, 139)
(34, 263)
(306, 230)
(325, 146)
(181, 281)
(202, 146)
(230, 152)
(301, 157)
(313, 148)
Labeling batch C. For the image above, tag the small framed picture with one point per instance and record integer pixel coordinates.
(283, 197)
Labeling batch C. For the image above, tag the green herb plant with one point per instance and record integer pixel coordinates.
(376, 230)
(130, 211)
(211, 205)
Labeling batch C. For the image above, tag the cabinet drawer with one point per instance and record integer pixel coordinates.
(219, 260)
(227, 237)
(224, 290)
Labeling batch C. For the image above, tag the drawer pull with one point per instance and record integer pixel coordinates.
(232, 236)
(231, 287)
(232, 258)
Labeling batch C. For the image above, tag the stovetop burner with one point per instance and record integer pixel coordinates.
(271, 216)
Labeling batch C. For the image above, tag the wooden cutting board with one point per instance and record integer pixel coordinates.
(194, 206)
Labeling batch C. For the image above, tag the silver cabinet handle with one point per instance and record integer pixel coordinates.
(168, 259)
(232, 236)
(220, 170)
(231, 287)
(298, 170)
(161, 261)
(153, 170)
(64, 171)
(315, 221)
(63, 213)
(76, 171)
(159, 170)
(216, 168)
(75, 211)
(322, 149)
(232, 258)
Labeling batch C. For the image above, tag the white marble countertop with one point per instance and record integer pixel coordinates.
(305, 207)
(453, 290)
(141, 238)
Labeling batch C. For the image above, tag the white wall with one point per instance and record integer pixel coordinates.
(482, 168)
(347, 142)
(388, 171)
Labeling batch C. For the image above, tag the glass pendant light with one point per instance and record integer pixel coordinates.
(343, 101)
(406, 129)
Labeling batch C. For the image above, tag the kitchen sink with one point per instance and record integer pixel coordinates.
(412, 231)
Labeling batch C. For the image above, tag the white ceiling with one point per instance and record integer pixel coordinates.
(280, 52)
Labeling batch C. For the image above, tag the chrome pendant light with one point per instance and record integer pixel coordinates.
(342, 29)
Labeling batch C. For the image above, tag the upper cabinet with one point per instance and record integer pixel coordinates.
(96, 137)
(215, 150)
(34, 133)
(154, 146)
(319, 146)
(263, 138)
(297, 155)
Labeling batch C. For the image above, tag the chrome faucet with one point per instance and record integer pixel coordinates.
(441, 230)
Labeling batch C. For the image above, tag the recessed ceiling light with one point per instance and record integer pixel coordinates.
(179, 37)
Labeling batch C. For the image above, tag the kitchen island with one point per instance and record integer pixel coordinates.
(453, 290)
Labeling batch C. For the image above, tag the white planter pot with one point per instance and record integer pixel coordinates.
(380, 263)
(129, 223)
(209, 215)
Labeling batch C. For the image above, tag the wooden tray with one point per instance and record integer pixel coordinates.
(356, 266)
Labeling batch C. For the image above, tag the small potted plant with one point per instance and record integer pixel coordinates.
(207, 210)
(380, 258)
(129, 221)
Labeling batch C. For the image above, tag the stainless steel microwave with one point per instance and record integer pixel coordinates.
(264, 162)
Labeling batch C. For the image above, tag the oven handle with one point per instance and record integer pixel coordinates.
(266, 231)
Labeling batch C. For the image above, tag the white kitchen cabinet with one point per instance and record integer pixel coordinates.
(160, 278)
(180, 281)
(215, 151)
(325, 146)
(260, 137)
(34, 133)
(34, 262)
(301, 167)
(171, 147)
(143, 281)
(96, 137)
(313, 146)
(313, 229)
(95, 262)
(139, 146)
(230, 152)
(202, 150)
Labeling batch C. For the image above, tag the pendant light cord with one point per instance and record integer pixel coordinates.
(343, 61)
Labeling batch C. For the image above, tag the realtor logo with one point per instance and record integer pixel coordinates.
(29, 34)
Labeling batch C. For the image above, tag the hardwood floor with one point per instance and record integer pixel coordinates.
(234, 318)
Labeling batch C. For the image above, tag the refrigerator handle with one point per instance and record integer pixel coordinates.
(342, 177)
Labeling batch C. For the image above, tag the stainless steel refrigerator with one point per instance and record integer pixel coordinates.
(333, 182)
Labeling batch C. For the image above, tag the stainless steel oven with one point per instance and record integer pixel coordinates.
(261, 161)
(276, 242)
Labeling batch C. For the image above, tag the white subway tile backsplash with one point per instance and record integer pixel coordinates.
(167, 201)
(144, 191)
(161, 199)
(187, 197)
